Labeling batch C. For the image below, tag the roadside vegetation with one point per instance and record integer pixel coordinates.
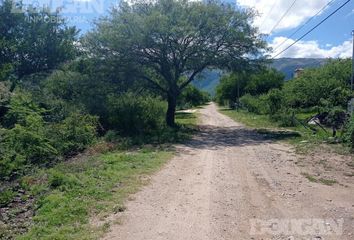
(313, 104)
(83, 118)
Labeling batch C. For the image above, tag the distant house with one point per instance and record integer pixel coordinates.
(298, 72)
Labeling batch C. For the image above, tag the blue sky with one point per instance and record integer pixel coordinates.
(331, 39)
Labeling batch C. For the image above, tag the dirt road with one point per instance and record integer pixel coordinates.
(231, 183)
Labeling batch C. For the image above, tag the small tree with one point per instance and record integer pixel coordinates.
(169, 42)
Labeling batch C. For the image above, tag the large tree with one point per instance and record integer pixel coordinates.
(169, 42)
(33, 40)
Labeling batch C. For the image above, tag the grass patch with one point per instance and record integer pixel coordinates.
(309, 177)
(75, 191)
(328, 182)
(186, 119)
(249, 119)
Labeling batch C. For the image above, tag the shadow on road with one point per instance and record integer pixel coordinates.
(211, 137)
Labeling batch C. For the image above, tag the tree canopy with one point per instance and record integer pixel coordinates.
(33, 41)
(236, 84)
(167, 43)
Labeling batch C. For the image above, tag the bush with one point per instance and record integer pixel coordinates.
(22, 145)
(329, 82)
(348, 136)
(6, 196)
(255, 104)
(28, 139)
(136, 115)
(275, 100)
(192, 97)
(74, 133)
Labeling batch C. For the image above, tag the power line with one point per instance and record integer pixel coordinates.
(302, 26)
(282, 17)
(313, 28)
(267, 15)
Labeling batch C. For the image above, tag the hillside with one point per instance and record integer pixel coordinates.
(288, 65)
(210, 78)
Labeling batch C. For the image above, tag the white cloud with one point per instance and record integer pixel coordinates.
(301, 11)
(311, 49)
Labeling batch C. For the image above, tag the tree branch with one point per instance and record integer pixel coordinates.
(155, 84)
(191, 77)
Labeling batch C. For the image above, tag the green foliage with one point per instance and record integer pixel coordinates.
(262, 82)
(183, 38)
(275, 100)
(349, 132)
(5, 96)
(131, 114)
(94, 185)
(329, 82)
(28, 139)
(6, 196)
(74, 133)
(284, 119)
(255, 104)
(62, 181)
(23, 110)
(192, 97)
(31, 43)
(230, 87)
(25, 141)
(238, 84)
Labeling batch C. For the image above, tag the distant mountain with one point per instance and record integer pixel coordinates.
(211, 78)
(288, 65)
(208, 80)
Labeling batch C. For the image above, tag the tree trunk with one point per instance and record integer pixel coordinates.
(171, 110)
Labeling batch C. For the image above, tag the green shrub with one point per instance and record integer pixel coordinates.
(10, 162)
(329, 81)
(25, 143)
(74, 133)
(348, 135)
(6, 196)
(28, 139)
(22, 110)
(255, 104)
(192, 97)
(135, 115)
(275, 100)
